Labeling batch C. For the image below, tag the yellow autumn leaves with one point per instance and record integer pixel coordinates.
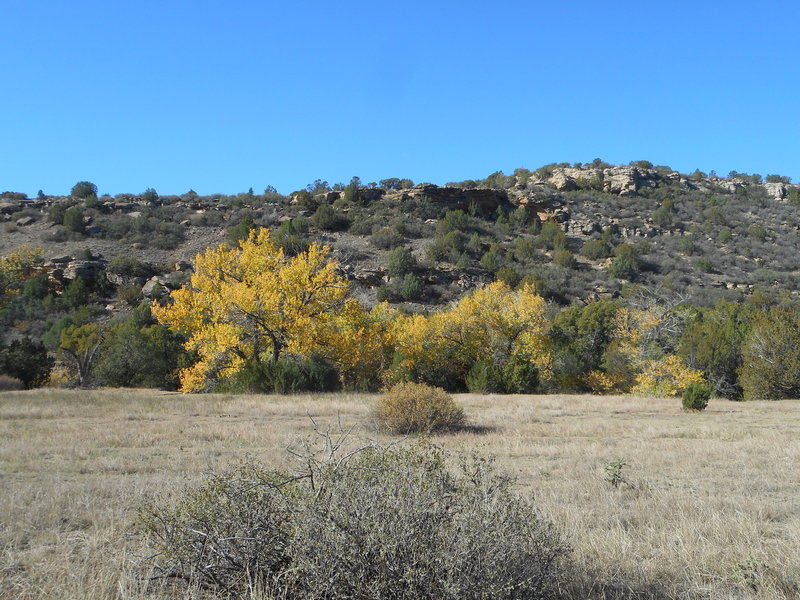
(644, 368)
(253, 303)
(495, 324)
(16, 267)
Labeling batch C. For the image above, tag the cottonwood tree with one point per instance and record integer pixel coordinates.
(80, 345)
(642, 356)
(361, 344)
(16, 268)
(253, 304)
(493, 325)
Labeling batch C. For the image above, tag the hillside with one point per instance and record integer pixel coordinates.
(703, 236)
(603, 278)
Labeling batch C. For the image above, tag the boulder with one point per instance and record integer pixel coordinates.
(88, 270)
(561, 215)
(566, 179)
(23, 221)
(775, 190)
(621, 180)
(155, 287)
(122, 280)
(563, 182)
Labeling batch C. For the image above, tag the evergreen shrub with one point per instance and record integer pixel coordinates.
(696, 396)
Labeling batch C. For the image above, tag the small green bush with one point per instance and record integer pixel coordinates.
(400, 261)
(516, 376)
(291, 236)
(410, 287)
(509, 276)
(525, 250)
(703, 265)
(485, 378)
(521, 376)
(139, 352)
(385, 238)
(418, 408)
(27, 361)
(84, 189)
(494, 259)
(564, 258)
(328, 218)
(696, 395)
(596, 249)
(55, 213)
(551, 236)
(168, 236)
(283, 377)
(240, 231)
(306, 200)
(73, 219)
(447, 248)
(75, 294)
(454, 220)
(615, 472)
(627, 264)
(129, 266)
(757, 231)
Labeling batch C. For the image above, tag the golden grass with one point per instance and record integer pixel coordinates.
(711, 507)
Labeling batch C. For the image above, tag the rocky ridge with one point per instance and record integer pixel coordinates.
(545, 193)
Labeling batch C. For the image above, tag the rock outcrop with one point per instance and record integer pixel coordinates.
(486, 200)
(776, 190)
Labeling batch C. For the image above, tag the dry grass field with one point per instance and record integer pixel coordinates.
(709, 506)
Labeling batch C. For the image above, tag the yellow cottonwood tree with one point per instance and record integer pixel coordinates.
(80, 345)
(494, 324)
(16, 267)
(643, 365)
(252, 303)
(361, 343)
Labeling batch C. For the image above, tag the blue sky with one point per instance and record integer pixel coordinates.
(223, 96)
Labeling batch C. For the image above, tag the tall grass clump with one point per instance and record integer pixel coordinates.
(372, 522)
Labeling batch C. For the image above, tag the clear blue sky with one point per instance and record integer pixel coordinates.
(223, 96)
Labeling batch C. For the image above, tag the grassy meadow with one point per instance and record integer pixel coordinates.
(708, 505)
